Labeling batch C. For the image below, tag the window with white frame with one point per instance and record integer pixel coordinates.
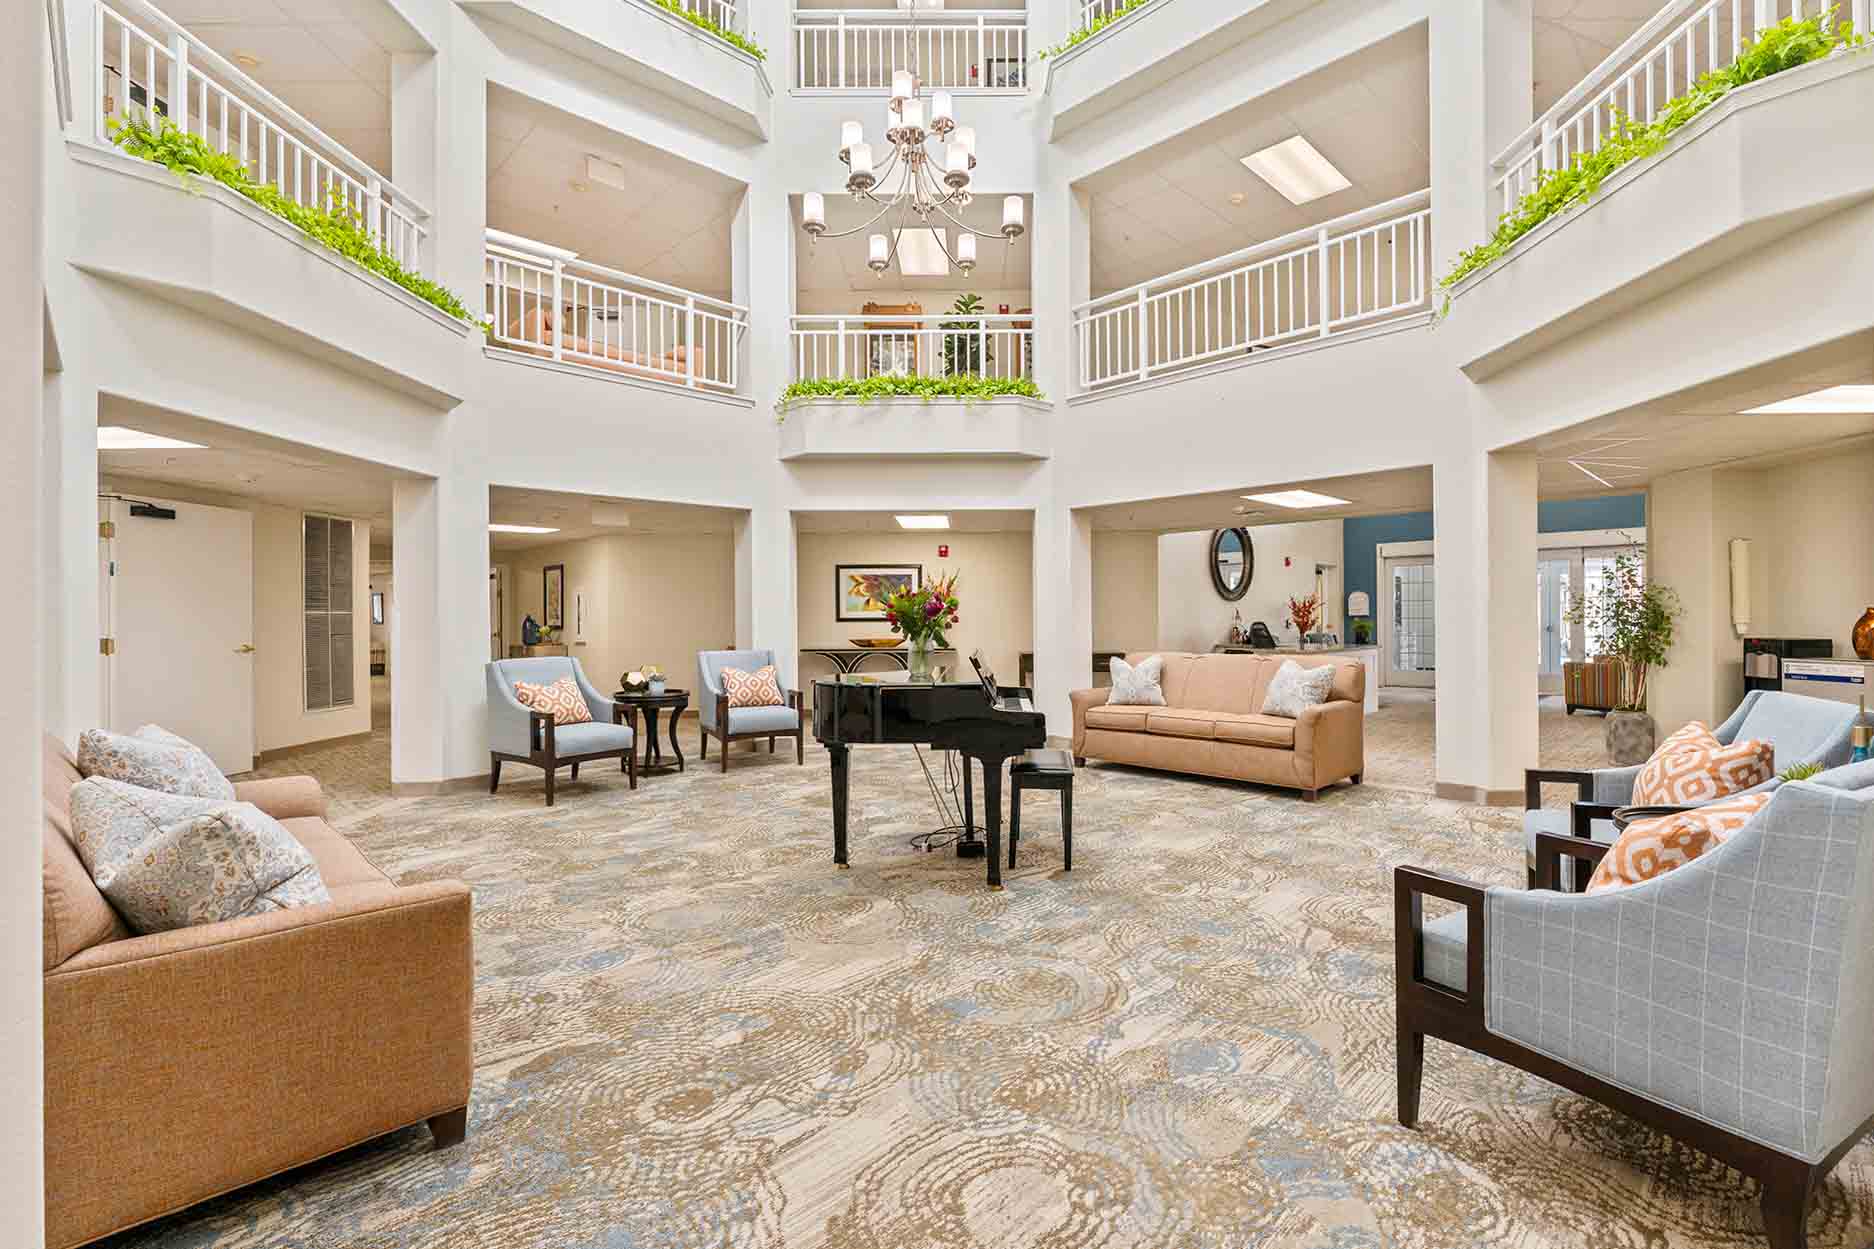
(326, 573)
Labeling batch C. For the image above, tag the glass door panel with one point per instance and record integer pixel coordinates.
(1410, 647)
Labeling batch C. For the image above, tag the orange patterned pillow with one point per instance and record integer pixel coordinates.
(752, 689)
(1654, 847)
(1691, 766)
(562, 699)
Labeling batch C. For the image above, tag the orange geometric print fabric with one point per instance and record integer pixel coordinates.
(1650, 848)
(1692, 766)
(562, 699)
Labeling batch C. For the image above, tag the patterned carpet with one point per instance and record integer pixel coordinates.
(692, 1031)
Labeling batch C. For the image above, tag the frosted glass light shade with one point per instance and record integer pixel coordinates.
(1012, 213)
(861, 154)
(966, 252)
(902, 85)
(913, 114)
(956, 160)
(965, 138)
(879, 248)
(851, 134)
(941, 110)
(813, 208)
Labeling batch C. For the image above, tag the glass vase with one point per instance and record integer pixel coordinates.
(918, 660)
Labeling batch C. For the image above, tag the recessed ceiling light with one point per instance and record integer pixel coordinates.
(247, 60)
(1297, 170)
(923, 522)
(1831, 399)
(577, 185)
(1239, 198)
(521, 529)
(920, 254)
(119, 438)
(606, 172)
(1296, 498)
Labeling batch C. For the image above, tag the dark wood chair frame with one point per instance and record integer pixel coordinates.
(1434, 1010)
(722, 734)
(547, 758)
(1057, 779)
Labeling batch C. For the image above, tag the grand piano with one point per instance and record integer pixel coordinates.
(987, 725)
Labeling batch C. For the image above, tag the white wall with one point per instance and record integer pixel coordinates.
(1821, 578)
(1192, 616)
(995, 587)
(1125, 590)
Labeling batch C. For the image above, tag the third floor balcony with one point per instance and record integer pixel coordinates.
(848, 47)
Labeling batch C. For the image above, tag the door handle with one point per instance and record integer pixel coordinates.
(245, 648)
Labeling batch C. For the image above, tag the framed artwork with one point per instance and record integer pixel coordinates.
(860, 591)
(554, 607)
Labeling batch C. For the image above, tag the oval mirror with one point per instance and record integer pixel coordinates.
(1232, 562)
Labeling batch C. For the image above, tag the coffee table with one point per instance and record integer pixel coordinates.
(673, 701)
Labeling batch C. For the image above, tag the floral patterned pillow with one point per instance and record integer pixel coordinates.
(562, 698)
(752, 689)
(1295, 689)
(154, 759)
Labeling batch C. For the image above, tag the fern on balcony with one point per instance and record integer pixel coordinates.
(712, 27)
(1784, 46)
(336, 226)
(1091, 29)
(968, 387)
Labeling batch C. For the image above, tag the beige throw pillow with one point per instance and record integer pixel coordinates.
(1137, 685)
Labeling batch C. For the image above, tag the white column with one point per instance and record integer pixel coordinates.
(415, 135)
(767, 613)
(23, 140)
(1481, 88)
(73, 670)
(1062, 273)
(1063, 580)
(762, 242)
(440, 631)
(1484, 519)
(458, 135)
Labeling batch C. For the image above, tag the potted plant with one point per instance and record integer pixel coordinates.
(924, 617)
(1303, 615)
(964, 350)
(654, 677)
(1634, 618)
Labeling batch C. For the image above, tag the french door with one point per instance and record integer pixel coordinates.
(1409, 649)
(1555, 576)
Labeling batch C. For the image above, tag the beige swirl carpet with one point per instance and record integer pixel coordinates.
(692, 1031)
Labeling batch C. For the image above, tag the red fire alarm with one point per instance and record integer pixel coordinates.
(943, 551)
(1288, 561)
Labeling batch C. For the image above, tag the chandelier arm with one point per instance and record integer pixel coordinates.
(860, 229)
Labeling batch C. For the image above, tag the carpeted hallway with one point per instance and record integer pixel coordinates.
(692, 1031)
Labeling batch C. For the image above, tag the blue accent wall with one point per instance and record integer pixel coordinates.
(1362, 535)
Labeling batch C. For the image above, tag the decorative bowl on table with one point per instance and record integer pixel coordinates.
(876, 644)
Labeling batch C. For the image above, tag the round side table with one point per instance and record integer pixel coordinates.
(673, 701)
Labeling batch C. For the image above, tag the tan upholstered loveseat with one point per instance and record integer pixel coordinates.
(1212, 724)
(183, 1064)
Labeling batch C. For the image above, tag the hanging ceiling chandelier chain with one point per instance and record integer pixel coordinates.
(913, 180)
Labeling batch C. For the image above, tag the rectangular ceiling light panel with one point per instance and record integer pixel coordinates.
(122, 438)
(1297, 499)
(1832, 399)
(920, 254)
(1297, 170)
(606, 173)
(923, 522)
(521, 529)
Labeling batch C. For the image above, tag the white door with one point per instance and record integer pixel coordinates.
(1409, 645)
(182, 618)
(1554, 576)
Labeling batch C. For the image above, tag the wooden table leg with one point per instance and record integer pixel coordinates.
(676, 714)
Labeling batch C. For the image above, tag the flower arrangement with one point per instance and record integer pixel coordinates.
(924, 616)
(1304, 614)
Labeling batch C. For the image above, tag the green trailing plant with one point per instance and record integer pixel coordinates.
(1091, 29)
(1635, 618)
(966, 386)
(336, 226)
(1786, 45)
(710, 27)
(1799, 771)
(964, 352)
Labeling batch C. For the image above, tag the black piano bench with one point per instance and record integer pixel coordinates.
(1043, 769)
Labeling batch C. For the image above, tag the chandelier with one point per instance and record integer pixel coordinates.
(914, 180)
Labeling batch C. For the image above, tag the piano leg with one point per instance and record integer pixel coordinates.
(968, 844)
(992, 819)
(841, 757)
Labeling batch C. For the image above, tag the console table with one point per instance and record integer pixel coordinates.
(847, 658)
(1102, 662)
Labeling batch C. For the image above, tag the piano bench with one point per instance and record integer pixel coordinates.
(1043, 769)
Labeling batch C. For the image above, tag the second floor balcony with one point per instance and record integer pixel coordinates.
(855, 51)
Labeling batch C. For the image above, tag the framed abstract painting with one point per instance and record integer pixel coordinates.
(861, 591)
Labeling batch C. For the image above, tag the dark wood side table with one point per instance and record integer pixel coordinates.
(673, 701)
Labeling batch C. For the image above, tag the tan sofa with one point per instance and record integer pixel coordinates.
(1212, 724)
(181, 1065)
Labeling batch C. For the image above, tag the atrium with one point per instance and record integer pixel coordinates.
(922, 624)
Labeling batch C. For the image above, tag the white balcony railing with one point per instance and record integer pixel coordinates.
(1092, 11)
(828, 347)
(147, 61)
(1660, 61)
(951, 49)
(1353, 273)
(545, 301)
(721, 12)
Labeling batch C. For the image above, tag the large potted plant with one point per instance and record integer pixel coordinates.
(1633, 618)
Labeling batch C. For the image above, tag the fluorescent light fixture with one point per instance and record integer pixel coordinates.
(119, 438)
(1296, 498)
(1831, 399)
(1297, 170)
(521, 529)
(923, 522)
(920, 254)
(606, 173)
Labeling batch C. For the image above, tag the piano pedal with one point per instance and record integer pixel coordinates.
(972, 849)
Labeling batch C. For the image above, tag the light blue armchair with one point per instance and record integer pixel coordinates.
(519, 734)
(1728, 1003)
(744, 724)
(1802, 729)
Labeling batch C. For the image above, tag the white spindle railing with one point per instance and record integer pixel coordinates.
(1350, 274)
(862, 345)
(146, 60)
(721, 12)
(1660, 61)
(1092, 11)
(545, 301)
(951, 49)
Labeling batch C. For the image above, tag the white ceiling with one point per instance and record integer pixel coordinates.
(578, 516)
(840, 264)
(1573, 36)
(1368, 113)
(672, 222)
(1367, 494)
(330, 60)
